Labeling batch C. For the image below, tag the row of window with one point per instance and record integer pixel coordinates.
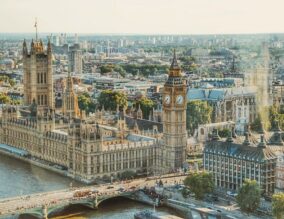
(41, 78)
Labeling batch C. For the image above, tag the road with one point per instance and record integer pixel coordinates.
(21, 203)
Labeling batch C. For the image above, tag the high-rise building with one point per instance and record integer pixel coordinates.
(174, 119)
(38, 78)
(75, 59)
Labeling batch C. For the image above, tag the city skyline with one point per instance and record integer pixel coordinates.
(143, 17)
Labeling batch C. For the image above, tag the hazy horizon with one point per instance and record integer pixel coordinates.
(143, 17)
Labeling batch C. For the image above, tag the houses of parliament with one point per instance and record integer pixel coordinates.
(93, 147)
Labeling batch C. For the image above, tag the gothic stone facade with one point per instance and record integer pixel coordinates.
(87, 147)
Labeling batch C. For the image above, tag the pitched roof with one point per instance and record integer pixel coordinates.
(249, 152)
(143, 124)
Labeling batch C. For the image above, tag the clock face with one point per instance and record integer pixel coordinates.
(167, 99)
(179, 99)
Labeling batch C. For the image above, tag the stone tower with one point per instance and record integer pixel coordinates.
(174, 119)
(70, 106)
(38, 78)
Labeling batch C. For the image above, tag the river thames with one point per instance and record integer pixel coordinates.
(19, 178)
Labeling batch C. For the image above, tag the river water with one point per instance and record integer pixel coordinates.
(19, 178)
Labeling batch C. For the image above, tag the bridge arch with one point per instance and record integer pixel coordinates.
(105, 199)
(29, 215)
(52, 210)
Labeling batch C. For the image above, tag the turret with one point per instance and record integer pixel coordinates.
(175, 70)
(32, 47)
(25, 49)
(246, 141)
(139, 113)
(49, 50)
(262, 143)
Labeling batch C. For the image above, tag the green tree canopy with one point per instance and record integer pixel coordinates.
(144, 70)
(198, 112)
(110, 99)
(249, 195)
(278, 205)
(86, 103)
(4, 78)
(127, 174)
(106, 68)
(223, 133)
(4, 98)
(276, 114)
(200, 183)
(146, 105)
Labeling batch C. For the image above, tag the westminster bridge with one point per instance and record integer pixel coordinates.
(42, 205)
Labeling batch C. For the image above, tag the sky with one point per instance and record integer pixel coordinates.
(143, 16)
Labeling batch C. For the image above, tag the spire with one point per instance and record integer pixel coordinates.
(246, 141)
(25, 50)
(174, 64)
(69, 83)
(36, 28)
(48, 46)
(32, 47)
(262, 143)
(139, 113)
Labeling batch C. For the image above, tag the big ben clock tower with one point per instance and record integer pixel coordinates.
(174, 120)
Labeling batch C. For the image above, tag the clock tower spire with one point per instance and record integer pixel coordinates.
(174, 119)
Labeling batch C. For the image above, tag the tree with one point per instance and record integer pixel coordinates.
(200, 183)
(12, 82)
(110, 99)
(106, 68)
(4, 98)
(6, 79)
(128, 174)
(86, 103)
(224, 133)
(278, 205)
(185, 192)
(146, 105)
(198, 112)
(249, 195)
(276, 114)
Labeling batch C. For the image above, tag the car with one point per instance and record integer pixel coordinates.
(121, 189)
(215, 197)
(233, 194)
(110, 187)
(219, 211)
